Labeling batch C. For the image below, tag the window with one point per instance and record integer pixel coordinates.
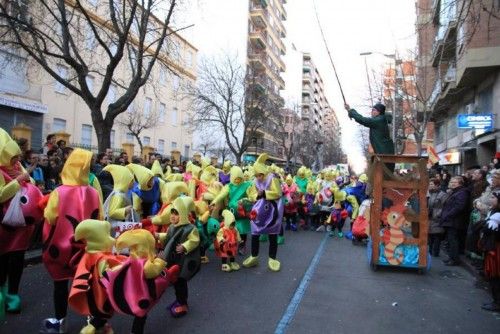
(161, 113)
(13, 73)
(62, 71)
(174, 116)
(186, 150)
(59, 125)
(147, 107)
(113, 48)
(112, 138)
(86, 134)
(161, 146)
(146, 140)
(173, 145)
(163, 75)
(112, 94)
(90, 83)
(130, 137)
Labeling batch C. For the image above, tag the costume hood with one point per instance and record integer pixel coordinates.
(96, 233)
(140, 243)
(209, 174)
(236, 172)
(142, 175)
(289, 180)
(8, 148)
(229, 219)
(226, 166)
(157, 170)
(260, 167)
(301, 172)
(122, 177)
(180, 205)
(172, 190)
(76, 169)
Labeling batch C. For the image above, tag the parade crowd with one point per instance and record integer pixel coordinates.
(109, 224)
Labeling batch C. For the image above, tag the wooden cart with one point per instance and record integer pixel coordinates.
(398, 215)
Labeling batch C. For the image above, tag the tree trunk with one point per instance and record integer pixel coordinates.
(103, 133)
(238, 158)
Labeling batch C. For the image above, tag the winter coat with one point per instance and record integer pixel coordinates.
(380, 138)
(455, 212)
(435, 207)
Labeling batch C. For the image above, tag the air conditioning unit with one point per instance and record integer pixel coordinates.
(469, 108)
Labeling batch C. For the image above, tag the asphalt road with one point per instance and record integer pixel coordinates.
(343, 296)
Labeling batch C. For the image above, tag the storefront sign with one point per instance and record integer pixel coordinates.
(449, 158)
(24, 105)
(475, 121)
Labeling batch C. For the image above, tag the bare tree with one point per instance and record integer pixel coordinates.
(74, 41)
(230, 102)
(136, 121)
(306, 147)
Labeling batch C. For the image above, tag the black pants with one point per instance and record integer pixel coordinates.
(224, 260)
(291, 220)
(61, 294)
(181, 291)
(11, 269)
(495, 289)
(138, 325)
(273, 245)
(452, 239)
(435, 243)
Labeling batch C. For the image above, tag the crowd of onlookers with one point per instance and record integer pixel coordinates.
(462, 212)
(45, 166)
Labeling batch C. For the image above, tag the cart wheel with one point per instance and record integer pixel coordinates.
(374, 266)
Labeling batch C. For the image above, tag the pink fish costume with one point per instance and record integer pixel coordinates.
(138, 284)
(69, 204)
(20, 212)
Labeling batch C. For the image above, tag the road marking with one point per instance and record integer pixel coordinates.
(301, 289)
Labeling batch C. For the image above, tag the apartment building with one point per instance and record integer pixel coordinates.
(459, 52)
(265, 51)
(31, 96)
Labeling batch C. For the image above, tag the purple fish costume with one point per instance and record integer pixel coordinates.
(269, 213)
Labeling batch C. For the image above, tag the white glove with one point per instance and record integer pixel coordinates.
(493, 222)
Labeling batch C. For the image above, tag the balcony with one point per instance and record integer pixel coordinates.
(257, 61)
(258, 39)
(436, 8)
(259, 18)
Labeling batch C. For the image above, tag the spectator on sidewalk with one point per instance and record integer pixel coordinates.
(435, 206)
(454, 217)
(50, 144)
(490, 243)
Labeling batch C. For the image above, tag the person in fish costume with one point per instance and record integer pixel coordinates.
(336, 220)
(266, 214)
(20, 212)
(148, 189)
(301, 180)
(69, 204)
(238, 192)
(137, 284)
(207, 228)
(121, 204)
(225, 173)
(87, 296)
(170, 191)
(226, 242)
(181, 247)
(357, 187)
(290, 190)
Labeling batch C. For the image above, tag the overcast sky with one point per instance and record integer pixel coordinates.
(351, 27)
